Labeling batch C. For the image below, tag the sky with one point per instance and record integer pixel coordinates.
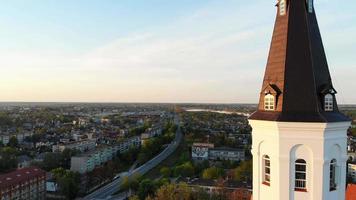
(206, 51)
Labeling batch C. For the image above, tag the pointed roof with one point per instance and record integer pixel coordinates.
(297, 72)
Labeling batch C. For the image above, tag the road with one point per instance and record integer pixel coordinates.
(108, 190)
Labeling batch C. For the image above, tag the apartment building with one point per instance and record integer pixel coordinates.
(225, 153)
(207, 151)
(82, 146)
(87, 161)
(5, 137)
(26, 183)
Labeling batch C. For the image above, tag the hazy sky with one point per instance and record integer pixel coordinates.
(154, 50)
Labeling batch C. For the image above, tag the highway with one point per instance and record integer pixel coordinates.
(108, 190)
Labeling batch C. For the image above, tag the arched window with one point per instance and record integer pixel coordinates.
(329, 102)
(300, 175)
(333, 174)
(266, 170)
(269, 102)
(282, 7)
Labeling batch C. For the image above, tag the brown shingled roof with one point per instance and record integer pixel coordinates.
(297, 70)
(18, 176)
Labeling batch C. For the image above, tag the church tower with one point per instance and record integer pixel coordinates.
(299, 135)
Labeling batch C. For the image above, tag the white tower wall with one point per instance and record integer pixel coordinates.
(284, 142)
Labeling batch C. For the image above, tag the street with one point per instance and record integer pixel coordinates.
(108, 190)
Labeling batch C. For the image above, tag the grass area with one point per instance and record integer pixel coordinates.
(171, 161)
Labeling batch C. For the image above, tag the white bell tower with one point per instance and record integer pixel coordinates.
(299, 161)
(299, 135)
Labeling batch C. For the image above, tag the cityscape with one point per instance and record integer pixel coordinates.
(291, 137)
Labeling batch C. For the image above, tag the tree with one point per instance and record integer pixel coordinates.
(135, 197)
(201, 194)
(68, 182)
(244, 171)
(174, 192)
(213, 173)
(163, 181)
(51, 161)
(146, 188)
(165, 172)
(240, 193)
(185, 170)
(5, 120)
(125, 183)
(66, 156)
(132, 182)
(33, 139)
(13, 142)
(8, 159)
(69, 185)
(58, 172)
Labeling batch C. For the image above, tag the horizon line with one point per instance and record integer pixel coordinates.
(94, 102)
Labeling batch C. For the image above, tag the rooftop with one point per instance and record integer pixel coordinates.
(297, 73)
(20, 175)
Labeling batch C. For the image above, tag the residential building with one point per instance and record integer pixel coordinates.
(225, 153)
(299, 135)
(133, 142)
(207, 151)
(200, 151)
(82, 146)
(5, 137)
(26, 183)
(150, 133)
(86, 162)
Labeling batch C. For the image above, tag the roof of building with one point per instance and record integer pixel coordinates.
(227, 149)
(297, 72)
(20, 175)
(351, 192)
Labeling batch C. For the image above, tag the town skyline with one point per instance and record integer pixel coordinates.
(174, 52)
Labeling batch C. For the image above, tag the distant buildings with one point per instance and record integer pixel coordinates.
(206, 151)
(133, 142)
(200, 151)
(27, 183)
(150, 133)
(82, 146)
(225, 153)
(87, 161)
(5, 137)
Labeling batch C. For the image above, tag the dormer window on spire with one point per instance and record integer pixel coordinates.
(282, 7)
(269, 102)
(329, 103)
(310, 6)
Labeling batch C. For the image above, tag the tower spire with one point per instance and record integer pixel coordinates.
(297, 85)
